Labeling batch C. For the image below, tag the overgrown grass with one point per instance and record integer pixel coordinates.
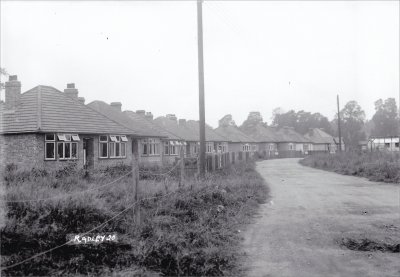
(376, 166)
(191, 230)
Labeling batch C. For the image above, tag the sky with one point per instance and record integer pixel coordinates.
(258, 55)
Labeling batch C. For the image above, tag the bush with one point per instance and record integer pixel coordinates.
(190, 232)
(376, 166)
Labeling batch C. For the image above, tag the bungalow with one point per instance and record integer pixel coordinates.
(240, 145)
(266, 139)
(170, 144)
(292, 144)
(389, 143)
(322, 141)
(187, 136)
(44, 127)
(151, 138)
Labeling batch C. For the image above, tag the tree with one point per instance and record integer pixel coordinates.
(302, 121)
(226, 121)
(3, 73)
(385, 119)
(352, 119)
(253, 119)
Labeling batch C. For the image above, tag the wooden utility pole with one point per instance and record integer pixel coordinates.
(135, 179)
(339, 129)
(202, 121)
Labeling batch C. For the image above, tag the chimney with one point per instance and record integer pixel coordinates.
(116, 105)
(182, 122)
(141, 112)
(13, 92)
(172, 117)
(149, 116)
(81, 99)
(71, 91)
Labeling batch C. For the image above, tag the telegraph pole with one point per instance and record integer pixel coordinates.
(202, 121)
(340, 132)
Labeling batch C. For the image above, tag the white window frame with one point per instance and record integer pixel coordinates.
(63, 158)
(100, 144)
(49, 141)
(114, 143)
(75, 137)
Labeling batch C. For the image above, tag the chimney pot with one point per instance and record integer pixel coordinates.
(71, 91)
(149, 116)
(81, 99)
(12, 92)
(13, 78)
(182, 122)
(172, 117)
(141, 112)
(116, 105)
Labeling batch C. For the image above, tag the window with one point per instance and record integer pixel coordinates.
(173, 148)
(290, 146)
(103, 146)
(50, 147)
(67, 150)
(271, 147)
(246, 147)
(166, 148)
(64, 144)
(387, 145)
(396, 145)
(75, 137)
(151, 147)
(209, 147)
(115, 146)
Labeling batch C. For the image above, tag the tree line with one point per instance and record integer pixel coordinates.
(354, 125)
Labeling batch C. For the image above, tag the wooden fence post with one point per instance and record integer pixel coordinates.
(213, 161)
(182, 161)
(135, 179)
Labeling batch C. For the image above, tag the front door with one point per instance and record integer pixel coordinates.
(88, 155)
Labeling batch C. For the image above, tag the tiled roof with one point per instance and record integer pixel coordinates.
(137, 124)
(46, 109)
(288, 134)
(261, 133)
(317, 135)
(179, 130)
(233, 134)
(211, 135)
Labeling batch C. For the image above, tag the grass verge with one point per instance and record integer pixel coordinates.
(191, 230)
(376, 166)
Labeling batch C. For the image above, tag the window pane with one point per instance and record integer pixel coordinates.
(112, 149)
(123, 149)
(67, 150)
(50, 150)
(61, 137)
(49, 137)
(75, 137)
(124, 138)
(145, 149)
(117, 152)
(74, 150)
(60, 150)
(103, 138)
(67, 137)
(103, 150)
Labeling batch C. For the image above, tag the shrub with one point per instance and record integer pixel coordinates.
(376, 166)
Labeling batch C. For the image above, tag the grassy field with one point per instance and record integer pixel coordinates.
(376, 166)
(191, 230)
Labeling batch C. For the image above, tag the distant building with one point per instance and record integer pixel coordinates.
(383, 143)
(322, 141)
(240, 145)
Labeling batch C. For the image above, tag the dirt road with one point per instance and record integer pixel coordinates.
(298, 233)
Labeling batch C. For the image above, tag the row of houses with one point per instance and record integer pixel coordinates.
(45, 127)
